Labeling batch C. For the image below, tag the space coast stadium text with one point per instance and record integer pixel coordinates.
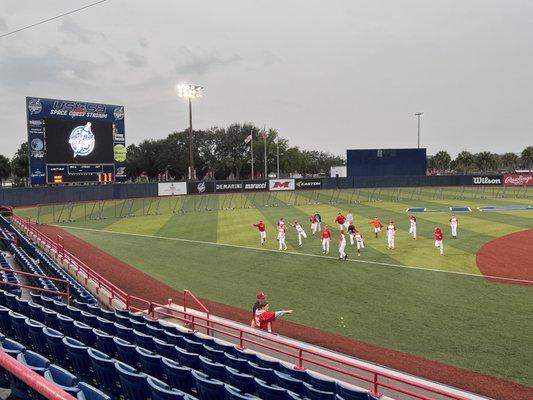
(72, 109)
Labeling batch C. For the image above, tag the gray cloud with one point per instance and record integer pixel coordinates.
(144, 42)
(135, 60)
(75, 30)
(3, 24)
(200, 64)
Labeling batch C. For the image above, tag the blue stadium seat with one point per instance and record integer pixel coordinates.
(300, 374)
(151, 363)
(66, 325)
(122, 320)
(126, 352)
(179, 377)
(80, 305)
(48, 303)
(36, 311)
(319, 383)
(213, 370)
(352, 394)
(193, 346)
(265, 374)
(248, 356)
(23, 306)
(89, 319)
(190, 360)
(61, 307)
(288, 382)
(156, 332)
(240, 364)
(74, 313)
(139, 326)
(56, 347)
(11, 301)
(107, 326)
(85, 334)
(125, 333)
(234, 394)
(174, 338)
(109, 315)
(5, 321)
(144, 340)
(165, 349)
(313, 393)
(208, 389)
(105, 343)
(50, 318)
(267, 363)
(34, 361)
(161, 391)
(214, 355)
(105, 372)
(149, 321)
(20, 329)
(94, 309)
(36, 336)
(244, 382)
(135, 316)
(122, 312)
(134, 384)
(88, 392)
(270, 392)
(36, 298)
(80, 362)
(62, 378)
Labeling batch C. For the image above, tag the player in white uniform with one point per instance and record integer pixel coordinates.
(342, 246)
(300, 230)
(360, 242)
(349, 219)
(454, 221)
(314, 224)
(391, 234)
(281, 238)
(412, 225)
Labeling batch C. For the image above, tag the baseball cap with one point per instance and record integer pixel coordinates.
(260, 296)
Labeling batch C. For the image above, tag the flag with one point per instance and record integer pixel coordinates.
(248, 139)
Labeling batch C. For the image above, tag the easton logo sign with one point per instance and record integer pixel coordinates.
(281, 184)
(487, 180)
(308, 184)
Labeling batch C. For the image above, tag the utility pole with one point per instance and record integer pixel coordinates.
(418, 115)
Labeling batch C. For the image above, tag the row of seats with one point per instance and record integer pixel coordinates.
(10, 277)
(247, 371)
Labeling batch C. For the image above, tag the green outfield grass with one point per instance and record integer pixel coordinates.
(443, 309)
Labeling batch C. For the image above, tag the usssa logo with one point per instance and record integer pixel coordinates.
(278, 185)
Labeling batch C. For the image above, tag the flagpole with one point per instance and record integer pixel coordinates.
(252, 151)
(277, 155)
(265, 142)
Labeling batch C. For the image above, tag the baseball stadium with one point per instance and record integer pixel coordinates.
(237, 261)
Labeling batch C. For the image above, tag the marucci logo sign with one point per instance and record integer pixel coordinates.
(308, 183)
(493, 180)
(278, 185)
(256, 185)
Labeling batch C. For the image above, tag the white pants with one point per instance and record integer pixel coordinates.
(325, 245)
(412, 230)
(282, 245)
(342, 246)
(262, 236)
(301, 234)
(341, 227)
(351, 239)
(454, 229)
(360, 244)
(390, 241)
(314, 227)
(377, 230)
(440, 246)
(346, 224)
(319, 223)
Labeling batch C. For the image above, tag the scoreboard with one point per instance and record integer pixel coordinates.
(73, 141)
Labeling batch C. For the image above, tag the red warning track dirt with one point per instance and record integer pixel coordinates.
(509, 256)
(137, 283)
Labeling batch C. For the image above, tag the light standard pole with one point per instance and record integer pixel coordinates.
(419, 114)
(190, 92)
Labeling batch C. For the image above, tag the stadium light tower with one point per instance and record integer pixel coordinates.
(419, 114)
(190, 92)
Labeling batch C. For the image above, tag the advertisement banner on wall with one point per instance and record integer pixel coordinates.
(518, 180)
(308, 183)
(278, 185)
(255, 185)
(171, 188)
(201, 187)
(228, 186)
(487, 180)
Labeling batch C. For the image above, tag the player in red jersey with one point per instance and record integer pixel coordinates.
(376, 222)
(314, 223)
(326, 238)
(264, 317)
(439, 239)
(262, 231)
(341, 219)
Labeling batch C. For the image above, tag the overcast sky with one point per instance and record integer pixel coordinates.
(329, 75)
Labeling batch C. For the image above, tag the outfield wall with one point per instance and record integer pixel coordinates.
(68, 194)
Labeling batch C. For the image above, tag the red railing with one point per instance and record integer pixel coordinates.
(300, 355)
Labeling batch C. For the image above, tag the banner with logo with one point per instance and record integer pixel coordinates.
(278, 185)
(228, 186)
(256, 185)
(308, 183)
(518, 180)
(201, 187)
(171, 188)
(487, 180)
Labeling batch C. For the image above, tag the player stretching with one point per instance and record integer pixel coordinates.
(439, 238)
(326, 238)
(281, 223)
(342, 246)
(318, 220)
(300, 230)
(391, 235)
(281, 238)
(341, 219)
(262, 232)
(454, 221)
(360, 242)
(351, 232)
(349, 219)
(412, 225)
(314, 224)
(376, 222)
